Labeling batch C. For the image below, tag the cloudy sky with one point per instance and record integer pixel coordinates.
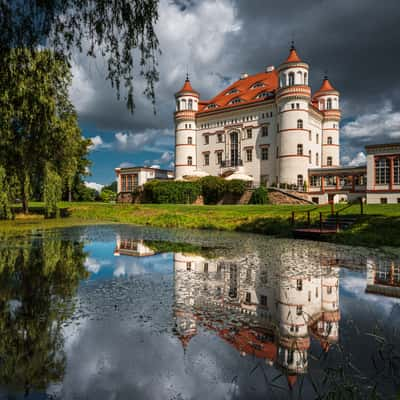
(355, 41)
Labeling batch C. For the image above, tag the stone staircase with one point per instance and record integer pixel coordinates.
(281, 196)
(246, 196)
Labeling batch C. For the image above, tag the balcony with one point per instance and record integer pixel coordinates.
(232, 163)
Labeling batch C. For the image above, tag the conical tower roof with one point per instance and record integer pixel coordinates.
(187, 88)
(325, 87)
(293, 56)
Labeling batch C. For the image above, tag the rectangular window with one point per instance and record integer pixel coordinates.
(317, 138)
(292, 106)
(249, 154)
(297, 105)
(188, 266)
(206, 268)
(220, 138)
(277, 152)
(299, 284)
(383, 200)
(248, 297)
(264, 153)
(299, 310)
(315, 181)
(206, 139)
(264, 300)
(329, 290)
(382, 171)
(396, 172)
(249, 133)
(206, 159)
(264, 131)
(219, 157)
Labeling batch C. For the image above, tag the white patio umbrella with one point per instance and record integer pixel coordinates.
(242, 177)
(199, 174)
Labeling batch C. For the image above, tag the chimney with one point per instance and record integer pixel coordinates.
(243, 75)
(270, 68)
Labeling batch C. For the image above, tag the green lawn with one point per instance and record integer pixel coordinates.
(380, 225)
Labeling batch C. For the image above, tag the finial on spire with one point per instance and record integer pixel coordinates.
(326, 75)
(292, 45)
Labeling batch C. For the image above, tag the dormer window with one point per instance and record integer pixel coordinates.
(263, 95)
(257, 85)
(235, 100)
(232, 91)
(212, 105)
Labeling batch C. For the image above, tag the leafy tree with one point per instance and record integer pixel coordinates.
(38, 122)
(5, 211)
(83, 193)
(119, 31)
(52, 191)
(107, 195)
(113, 187)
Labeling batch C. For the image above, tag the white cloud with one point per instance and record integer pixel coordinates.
(94, 185)
(375, 126)
(359, 159)
(98, 143)
(135, 141)
(126, 164)
(94, 265)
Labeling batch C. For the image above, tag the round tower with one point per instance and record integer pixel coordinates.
(293, 99)
(187, 103)
(327, 101)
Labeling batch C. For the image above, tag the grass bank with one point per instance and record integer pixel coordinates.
(379, 226)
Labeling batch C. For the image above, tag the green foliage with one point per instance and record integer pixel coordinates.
(113, 187)
(107, 195)
(236, 187)
(259, 196)
(5, 211)
(83, 193)
(42, 276)
(38, 122)
(174, 192)
(213, 189)
(52, 192)
(121, 32)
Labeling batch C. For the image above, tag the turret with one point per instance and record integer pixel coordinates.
(293, 99)
(327, 101)
(185, 130)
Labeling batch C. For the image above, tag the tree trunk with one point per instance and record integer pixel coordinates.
(69, 195)
(25, 195)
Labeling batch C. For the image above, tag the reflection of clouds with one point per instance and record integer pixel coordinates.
(94, 265)
(354, 285)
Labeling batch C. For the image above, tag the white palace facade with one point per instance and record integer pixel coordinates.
(268, 126)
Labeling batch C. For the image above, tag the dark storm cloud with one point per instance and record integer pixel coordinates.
(355, 41)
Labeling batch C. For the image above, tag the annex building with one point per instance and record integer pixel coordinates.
(271, 128)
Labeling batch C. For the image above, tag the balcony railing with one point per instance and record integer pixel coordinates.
(231, 163)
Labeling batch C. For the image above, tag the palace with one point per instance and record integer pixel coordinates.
(269, 128)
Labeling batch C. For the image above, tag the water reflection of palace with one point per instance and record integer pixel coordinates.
(383, 277)
(266, 311)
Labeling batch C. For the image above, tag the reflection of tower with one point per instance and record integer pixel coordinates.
(185, 322)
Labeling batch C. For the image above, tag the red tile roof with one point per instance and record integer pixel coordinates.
(246, 90)
(293, 56)
(187, 88)
(325, 87)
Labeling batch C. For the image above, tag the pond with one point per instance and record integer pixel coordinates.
(121, 312)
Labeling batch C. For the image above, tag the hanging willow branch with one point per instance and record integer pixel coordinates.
(121, 31)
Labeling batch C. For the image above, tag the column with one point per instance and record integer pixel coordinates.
(391, 182)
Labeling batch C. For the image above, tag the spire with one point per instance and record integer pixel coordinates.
(326, 85)
(187, 87)
(293, 56)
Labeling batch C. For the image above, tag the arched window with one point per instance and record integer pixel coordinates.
(299, 124)
(299, 78)
(316, 159)
(309, 156)
(321, 105)
(190, 160)
(189, 140)
(329, 161)
(177, 105)
(329, 104)
(305, 78)
(190, 104)
(300, 181)
(299, 149)
(329, 140)
(183, 103)
(291, 78)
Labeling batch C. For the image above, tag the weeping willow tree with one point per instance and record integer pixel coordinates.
(52, 191)
(5, 210)
(37, 282)
(38, 123)
(119, 31)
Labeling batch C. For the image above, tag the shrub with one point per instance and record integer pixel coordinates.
(260, 196)
(172, 192)
(52, 192)
(236, 186)
(213, 189)
(107, 195)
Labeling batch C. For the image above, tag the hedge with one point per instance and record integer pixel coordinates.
(172, 192)
(259, 196)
